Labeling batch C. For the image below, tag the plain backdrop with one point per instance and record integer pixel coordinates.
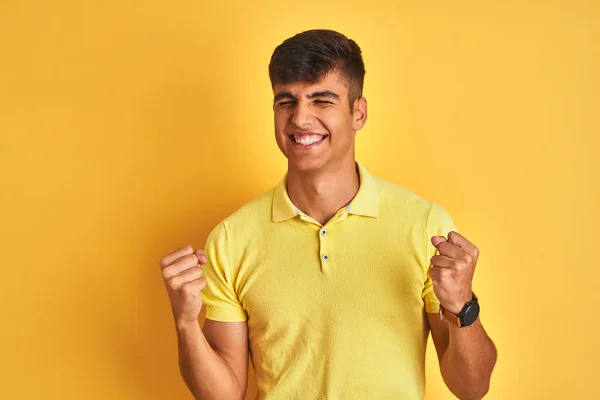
(130, 128)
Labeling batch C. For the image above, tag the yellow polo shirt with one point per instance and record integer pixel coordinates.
(334, 311)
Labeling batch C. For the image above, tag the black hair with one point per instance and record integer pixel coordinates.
(309, 56)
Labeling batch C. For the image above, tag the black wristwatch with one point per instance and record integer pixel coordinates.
(466, 317)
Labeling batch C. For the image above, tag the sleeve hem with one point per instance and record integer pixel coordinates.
(432, 306)
(225, 314)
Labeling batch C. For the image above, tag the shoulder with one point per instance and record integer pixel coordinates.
(247, 217)
(396, 200)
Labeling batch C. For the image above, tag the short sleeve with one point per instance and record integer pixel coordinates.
(439, 223)
(219, 295)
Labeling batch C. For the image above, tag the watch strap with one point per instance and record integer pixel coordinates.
(453, 318)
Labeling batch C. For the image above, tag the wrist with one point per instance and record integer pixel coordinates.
(457, 306)
(186, 324)
(454, 327)
(467, 316)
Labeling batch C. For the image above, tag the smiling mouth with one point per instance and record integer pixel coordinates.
(307, 140)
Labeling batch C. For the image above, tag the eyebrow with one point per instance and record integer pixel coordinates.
(325, 93)
(284, 95)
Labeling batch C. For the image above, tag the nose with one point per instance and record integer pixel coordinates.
(302, 116)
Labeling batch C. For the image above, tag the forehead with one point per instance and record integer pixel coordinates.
(332, 82)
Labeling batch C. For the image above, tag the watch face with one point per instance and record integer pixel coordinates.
(471, 314)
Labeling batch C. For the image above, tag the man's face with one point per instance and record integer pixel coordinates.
(313, 124)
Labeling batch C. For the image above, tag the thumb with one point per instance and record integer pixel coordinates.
(435, 240)
(201, 254)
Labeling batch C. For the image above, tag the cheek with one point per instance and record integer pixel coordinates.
(280, 124)
(280, 121)
(336, 123)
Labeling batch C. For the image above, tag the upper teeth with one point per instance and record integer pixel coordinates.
(307, 139)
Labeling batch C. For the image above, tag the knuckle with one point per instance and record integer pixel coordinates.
(191, 259)
(185, 264)
(185, 250)
(195, 273)
(174, 283)
(163, 262)
(189, 290)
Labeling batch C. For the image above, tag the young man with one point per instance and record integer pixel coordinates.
(332, 279)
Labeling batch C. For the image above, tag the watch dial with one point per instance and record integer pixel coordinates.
(471, 314)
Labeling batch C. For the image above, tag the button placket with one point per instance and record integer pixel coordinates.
(324, 248)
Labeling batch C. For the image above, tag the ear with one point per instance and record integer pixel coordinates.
(360, 113)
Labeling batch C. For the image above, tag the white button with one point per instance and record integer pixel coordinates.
(325, 257)
(323, 232)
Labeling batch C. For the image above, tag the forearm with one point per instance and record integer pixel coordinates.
(205, 372)
(468, 361)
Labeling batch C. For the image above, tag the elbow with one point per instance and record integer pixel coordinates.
(475, 395)
(473, 391)
(468, 386)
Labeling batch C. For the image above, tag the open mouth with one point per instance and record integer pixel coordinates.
(307, 140)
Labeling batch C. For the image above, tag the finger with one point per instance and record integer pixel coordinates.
(450, 250)
(190, 275)
(167, 260)
(435, 240)
(201, 254)
(460, 241)
(180, 266)
(197, 284)
(440, 261)
(439, 274)
(193, 288)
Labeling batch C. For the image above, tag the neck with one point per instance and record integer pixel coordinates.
(320, 194)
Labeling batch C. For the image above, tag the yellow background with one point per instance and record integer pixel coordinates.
(130, 128)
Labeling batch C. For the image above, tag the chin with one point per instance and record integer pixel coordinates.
(306, 165)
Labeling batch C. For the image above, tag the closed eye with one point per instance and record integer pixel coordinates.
(323, 102)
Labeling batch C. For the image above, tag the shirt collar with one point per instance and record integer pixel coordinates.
(366, 201)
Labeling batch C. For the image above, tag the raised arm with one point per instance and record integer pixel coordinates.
(213, 362)
(466, 353)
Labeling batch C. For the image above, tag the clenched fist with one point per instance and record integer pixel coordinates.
(182, 273)
(452, 270)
